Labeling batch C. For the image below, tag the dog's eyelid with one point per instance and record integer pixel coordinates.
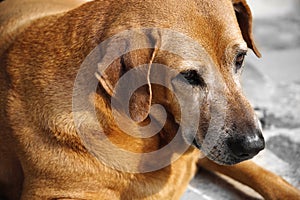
(236, 50)
(242, 52)
(239, 60)
(238, 47)
(193, 77)
(240, 56)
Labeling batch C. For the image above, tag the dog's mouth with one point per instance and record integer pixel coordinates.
(225, 159)
(220, 154)
(195, 143)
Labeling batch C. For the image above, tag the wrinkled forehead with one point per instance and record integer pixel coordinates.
(211, 27)
(180, 51)
(216, 15)
(210, 24)
(213, 24)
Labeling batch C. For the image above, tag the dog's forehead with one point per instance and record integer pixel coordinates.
(186, 15)
(215, 26)
(211, 23)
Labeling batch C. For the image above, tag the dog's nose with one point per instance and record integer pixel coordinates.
(246, 146)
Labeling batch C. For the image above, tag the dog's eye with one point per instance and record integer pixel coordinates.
(239, 61)
(193, 78)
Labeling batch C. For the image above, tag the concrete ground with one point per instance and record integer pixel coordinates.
(273, 85)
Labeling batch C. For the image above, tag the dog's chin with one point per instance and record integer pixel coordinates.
(224, 159)
(220, 157)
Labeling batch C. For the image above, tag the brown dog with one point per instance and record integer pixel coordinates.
(42, 155)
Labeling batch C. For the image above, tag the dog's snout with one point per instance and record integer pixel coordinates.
(246, 146)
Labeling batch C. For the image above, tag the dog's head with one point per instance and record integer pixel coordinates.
(208, 84)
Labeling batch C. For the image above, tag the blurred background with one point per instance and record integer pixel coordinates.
(272, 84)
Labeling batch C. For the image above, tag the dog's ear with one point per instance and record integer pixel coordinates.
(244, 18)
(140, 101)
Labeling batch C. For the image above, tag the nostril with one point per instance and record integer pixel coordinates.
(236, 147)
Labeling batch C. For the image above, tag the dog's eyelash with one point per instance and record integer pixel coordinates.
(239, 60)
(193, 78)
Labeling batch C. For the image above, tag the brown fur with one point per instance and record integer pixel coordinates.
(40, 59)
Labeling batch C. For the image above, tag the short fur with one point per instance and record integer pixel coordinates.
(41, 155)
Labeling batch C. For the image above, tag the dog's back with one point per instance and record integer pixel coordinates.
(16, 15)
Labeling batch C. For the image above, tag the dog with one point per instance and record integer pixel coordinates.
(42, 48)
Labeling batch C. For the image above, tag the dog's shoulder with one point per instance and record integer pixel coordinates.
(16, 15)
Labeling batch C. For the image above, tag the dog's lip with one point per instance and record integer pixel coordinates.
(234, 160)
(215, 158)
(248, 157)
(196, 144)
